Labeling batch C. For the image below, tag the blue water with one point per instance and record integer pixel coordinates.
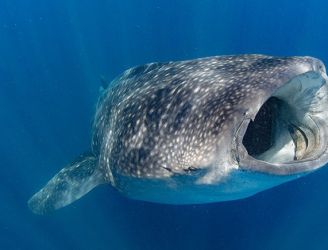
(52, 55)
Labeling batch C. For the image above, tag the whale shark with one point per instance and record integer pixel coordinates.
(197, 131)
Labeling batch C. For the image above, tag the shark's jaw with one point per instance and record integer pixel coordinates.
(289, 134)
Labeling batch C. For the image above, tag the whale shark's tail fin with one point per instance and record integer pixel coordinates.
(71, 183)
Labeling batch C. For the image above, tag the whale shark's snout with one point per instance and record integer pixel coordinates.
(289, 132)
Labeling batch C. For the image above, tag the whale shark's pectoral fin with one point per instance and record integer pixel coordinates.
(71, 183)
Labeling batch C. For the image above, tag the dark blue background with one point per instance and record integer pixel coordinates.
(52, 54)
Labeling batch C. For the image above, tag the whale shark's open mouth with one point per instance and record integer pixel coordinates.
(289, 132)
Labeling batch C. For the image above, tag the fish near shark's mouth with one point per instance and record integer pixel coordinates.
(289, 132)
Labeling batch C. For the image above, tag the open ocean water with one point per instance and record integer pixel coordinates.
(52, 56)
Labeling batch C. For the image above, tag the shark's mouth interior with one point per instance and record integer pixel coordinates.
(276, 136)
(291, 126)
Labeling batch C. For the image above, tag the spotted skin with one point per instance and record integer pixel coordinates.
(162, 119)
(168, 132)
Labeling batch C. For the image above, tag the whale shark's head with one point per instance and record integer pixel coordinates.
(285, 129)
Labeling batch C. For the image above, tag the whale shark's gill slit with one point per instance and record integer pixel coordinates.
(300, 140)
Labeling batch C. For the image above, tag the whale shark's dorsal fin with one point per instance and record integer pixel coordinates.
(104, 84)
(71, 183)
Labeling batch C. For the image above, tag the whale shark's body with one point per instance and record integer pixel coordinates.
(205, 130)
